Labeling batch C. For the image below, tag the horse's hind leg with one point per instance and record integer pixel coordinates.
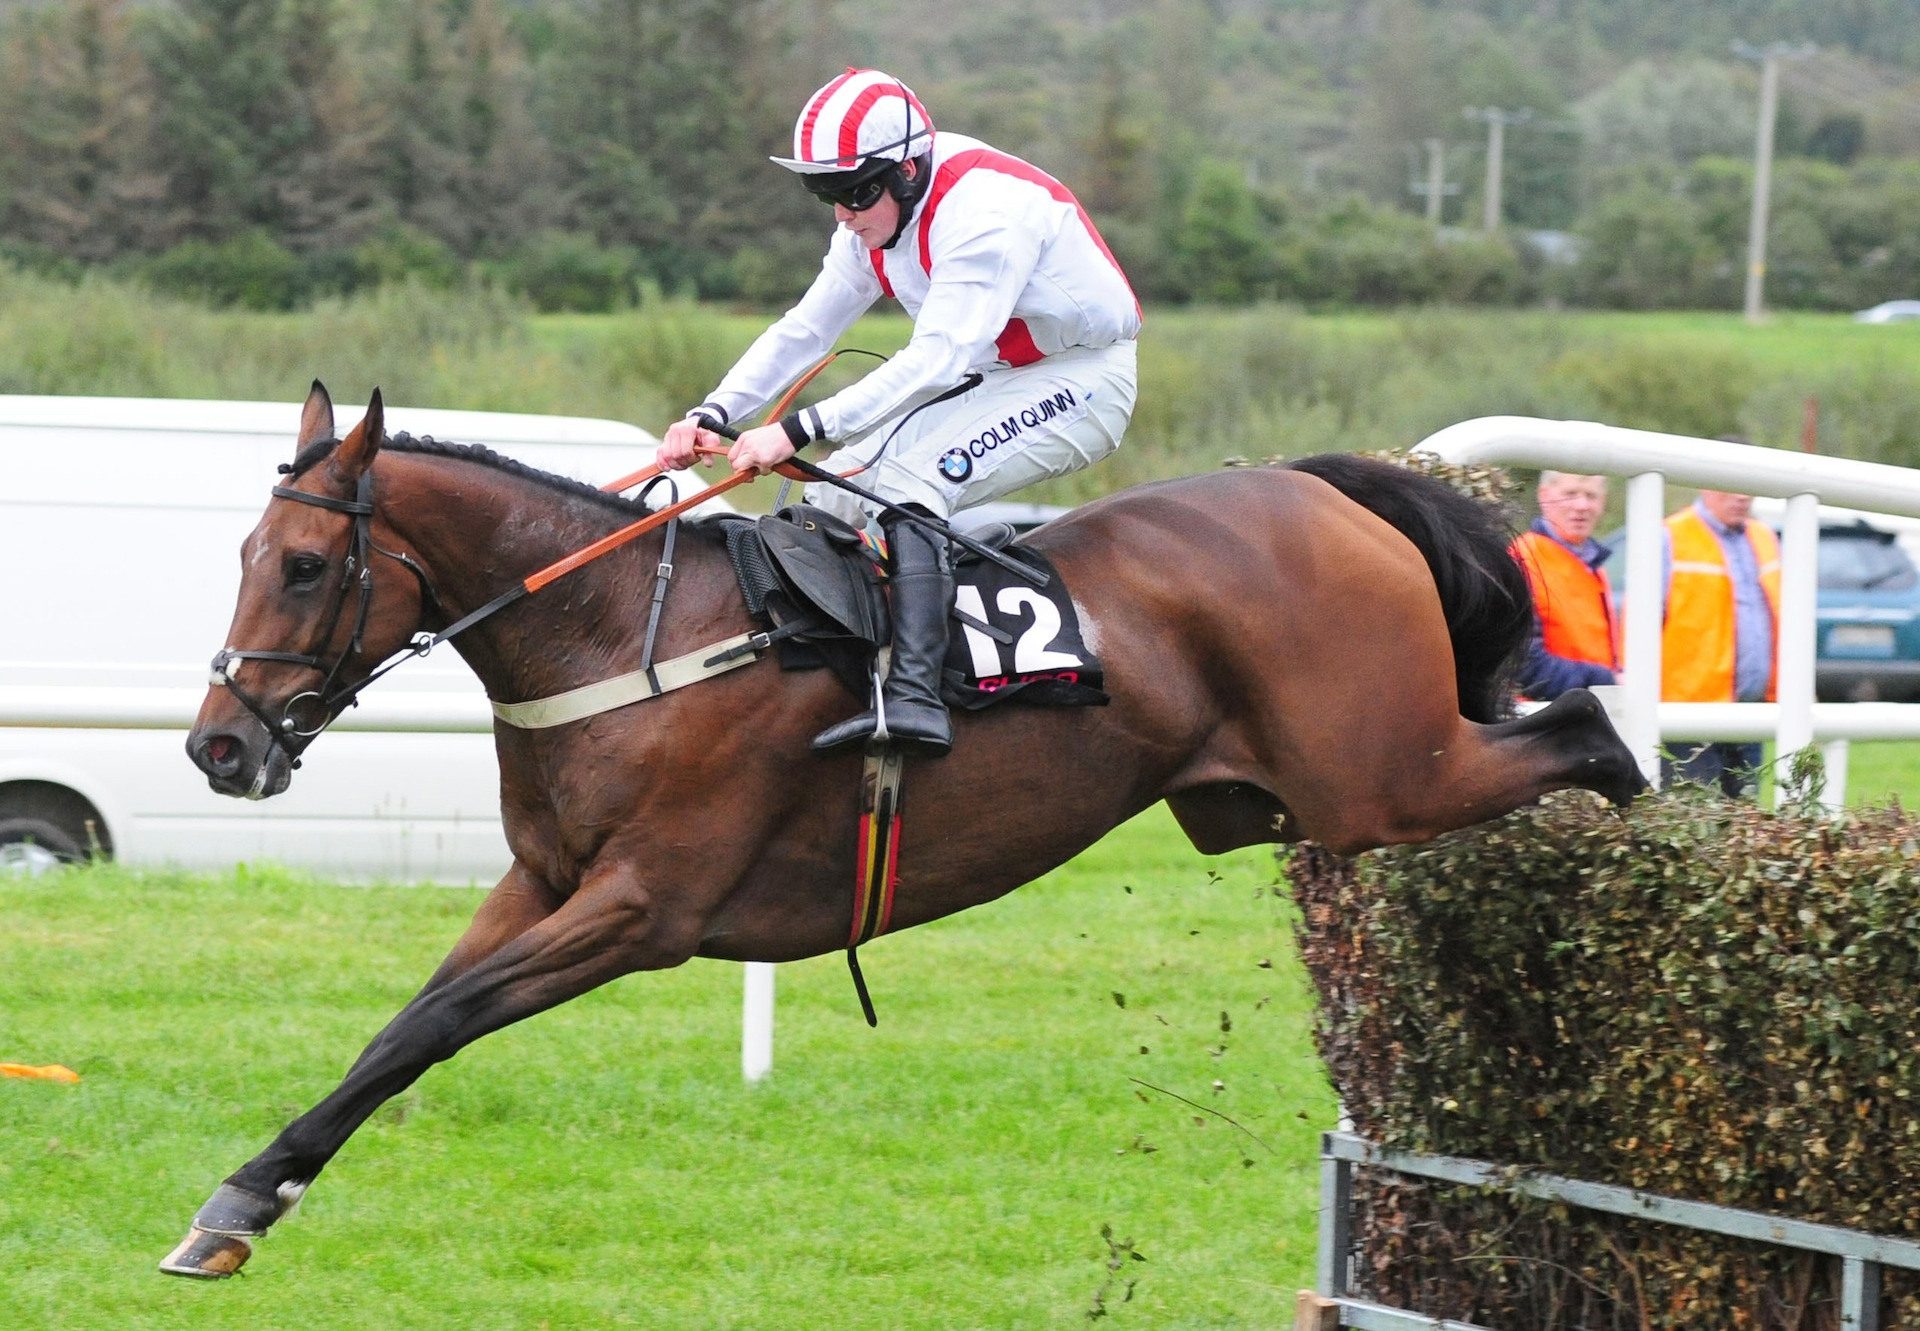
(606, 929)
(1492, 770)
(1467, 774)
(1574, 730)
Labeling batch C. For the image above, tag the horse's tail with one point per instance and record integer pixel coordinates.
(1483, 589)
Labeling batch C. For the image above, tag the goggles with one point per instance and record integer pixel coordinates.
(856, 197)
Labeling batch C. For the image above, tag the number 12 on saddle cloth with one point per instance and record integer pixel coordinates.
(1015, 640)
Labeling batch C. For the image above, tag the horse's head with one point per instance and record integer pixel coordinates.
(313, 622)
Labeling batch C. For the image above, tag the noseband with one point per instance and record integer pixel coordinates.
(329, 701)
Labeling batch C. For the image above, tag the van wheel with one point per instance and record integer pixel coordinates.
(33, 845)
(43, 826)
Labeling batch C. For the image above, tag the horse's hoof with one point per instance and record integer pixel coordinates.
(237, 1212)
(205, 1256)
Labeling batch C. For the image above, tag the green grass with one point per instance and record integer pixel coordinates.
(603, 1164)
(1881, 771)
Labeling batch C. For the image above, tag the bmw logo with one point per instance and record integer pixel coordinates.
(955, 465)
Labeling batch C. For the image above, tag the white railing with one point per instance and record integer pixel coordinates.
(1649, 460)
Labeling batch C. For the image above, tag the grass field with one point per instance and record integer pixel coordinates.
(604, 1165)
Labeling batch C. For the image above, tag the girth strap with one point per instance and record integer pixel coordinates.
(637, 685)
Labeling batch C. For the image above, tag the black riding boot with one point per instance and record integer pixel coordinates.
(916, 718)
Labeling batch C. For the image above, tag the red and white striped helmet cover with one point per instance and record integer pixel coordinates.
(864, 113)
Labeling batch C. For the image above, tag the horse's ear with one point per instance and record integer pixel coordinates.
(356, 451)
(316, 418)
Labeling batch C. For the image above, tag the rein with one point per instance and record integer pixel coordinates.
(329, 701)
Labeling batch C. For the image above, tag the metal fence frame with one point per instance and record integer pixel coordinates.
(1861, 1254)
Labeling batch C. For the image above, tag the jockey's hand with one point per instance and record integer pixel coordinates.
(761, 449)
(682, 437)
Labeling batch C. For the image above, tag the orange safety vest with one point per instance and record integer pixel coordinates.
(1573, 600)
(1696, 646)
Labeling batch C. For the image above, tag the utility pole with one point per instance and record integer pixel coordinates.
(1769, 58)
(1435, 188)
(1497, 122)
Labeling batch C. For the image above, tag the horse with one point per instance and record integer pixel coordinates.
(1304, 651)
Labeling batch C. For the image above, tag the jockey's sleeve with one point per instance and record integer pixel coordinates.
(981, 263)
(842, 291)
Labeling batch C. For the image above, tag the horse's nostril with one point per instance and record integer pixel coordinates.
(220, 753)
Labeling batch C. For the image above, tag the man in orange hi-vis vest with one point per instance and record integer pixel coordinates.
(1722, 634)
(1576, 634)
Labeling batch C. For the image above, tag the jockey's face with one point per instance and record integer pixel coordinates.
(875, 226)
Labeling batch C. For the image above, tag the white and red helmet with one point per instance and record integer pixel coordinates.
(863, 118)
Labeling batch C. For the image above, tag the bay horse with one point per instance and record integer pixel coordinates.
(1304, 651)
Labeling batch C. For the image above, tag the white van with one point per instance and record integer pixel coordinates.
(120, 528)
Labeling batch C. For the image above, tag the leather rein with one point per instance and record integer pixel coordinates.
(328, 701)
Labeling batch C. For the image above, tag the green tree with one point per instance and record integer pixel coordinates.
(1222, 252)
(1646, 250)
(1663, 116)
(418, 157)
(501, 184)
(264, 122)
(76, 110)
(661, 114)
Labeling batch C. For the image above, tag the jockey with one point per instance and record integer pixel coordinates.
(1020, 367)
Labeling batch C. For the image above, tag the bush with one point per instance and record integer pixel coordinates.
(250, 270)
(1669, 388)
(1646, 250)
(1698, 999)
(560, 270)
(401, 253)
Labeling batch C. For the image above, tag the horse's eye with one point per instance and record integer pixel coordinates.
(303, 570)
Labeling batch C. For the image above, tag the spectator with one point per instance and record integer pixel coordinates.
(1576, 633)
(1722, 634)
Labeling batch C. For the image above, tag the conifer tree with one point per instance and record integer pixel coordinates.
(76, 169)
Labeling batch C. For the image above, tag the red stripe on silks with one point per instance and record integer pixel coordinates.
(856, 116)
(992, 159)
(803, 139)
(880, 270)
(1015, 344)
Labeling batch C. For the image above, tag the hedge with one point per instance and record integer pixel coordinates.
(1697, 998)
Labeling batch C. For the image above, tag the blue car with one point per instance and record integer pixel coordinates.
(1867, 617)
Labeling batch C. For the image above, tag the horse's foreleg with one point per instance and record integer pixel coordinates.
(606, 929)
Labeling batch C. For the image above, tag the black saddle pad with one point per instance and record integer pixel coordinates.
(1012, 640)
(810, 573)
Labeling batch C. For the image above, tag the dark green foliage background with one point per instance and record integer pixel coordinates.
(590, 154)
(1698, 999)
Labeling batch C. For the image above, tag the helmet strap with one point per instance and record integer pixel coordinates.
(908, 183)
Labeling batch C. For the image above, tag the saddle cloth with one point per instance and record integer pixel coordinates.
(813, 578)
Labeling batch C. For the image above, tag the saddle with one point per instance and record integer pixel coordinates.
(820, 587)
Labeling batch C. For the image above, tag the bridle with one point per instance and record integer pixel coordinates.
(329, 701)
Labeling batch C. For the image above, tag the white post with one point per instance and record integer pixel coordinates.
(756, 1028)
(1646, 605)
(1799, 589)
(1836, 752)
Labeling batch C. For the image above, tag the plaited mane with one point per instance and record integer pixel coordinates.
(483, 456)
